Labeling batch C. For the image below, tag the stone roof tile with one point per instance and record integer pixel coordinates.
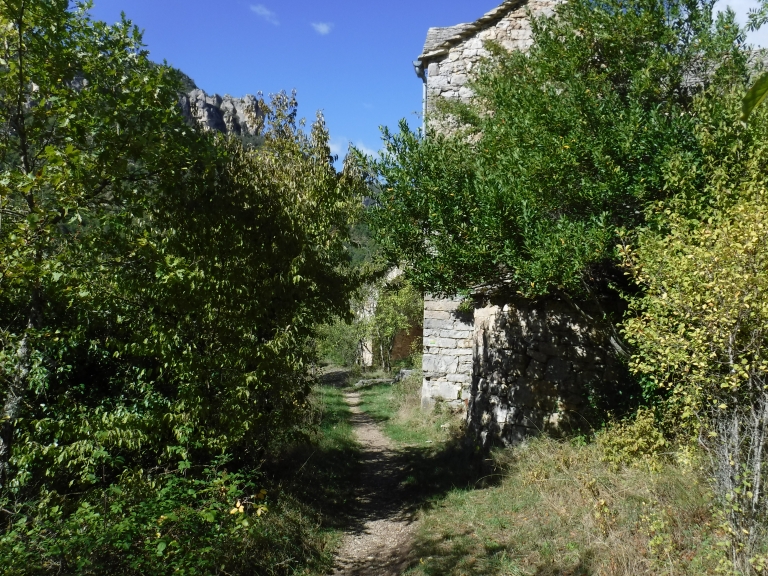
(440, 40)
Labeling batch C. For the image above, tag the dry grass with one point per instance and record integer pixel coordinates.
(552, 507)
(560, 510)
(397, 408)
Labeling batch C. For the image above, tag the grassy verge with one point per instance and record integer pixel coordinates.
(397, 408)
(548, 507)
(560, 510)
(315, 480)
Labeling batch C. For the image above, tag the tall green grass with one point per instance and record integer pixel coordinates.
(397, 408)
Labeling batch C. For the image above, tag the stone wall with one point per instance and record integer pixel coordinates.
(448, 67)
(447, 361)
(538, 367)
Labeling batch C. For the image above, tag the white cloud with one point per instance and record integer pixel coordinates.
(322, 28)
(266, 13)
(338, 146)
(365, 150)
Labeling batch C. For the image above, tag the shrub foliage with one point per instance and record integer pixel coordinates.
(158, 287)
(560, 146)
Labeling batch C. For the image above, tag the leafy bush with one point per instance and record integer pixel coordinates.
(158, 290)
(399, 308)
(340, 342)
(381, 311)
(562, 145)
(167, 523)
(699, 328)
(634, 441)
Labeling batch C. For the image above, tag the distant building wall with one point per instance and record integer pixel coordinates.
(447, 360)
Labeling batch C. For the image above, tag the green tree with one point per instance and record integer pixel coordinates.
(158, 289)
(399, 308)
(560, 147)
(698, 328)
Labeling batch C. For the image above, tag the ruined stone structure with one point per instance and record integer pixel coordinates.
(537, 367)
(450, 54)
(516, 367)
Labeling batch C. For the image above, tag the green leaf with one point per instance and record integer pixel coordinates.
(754, 97)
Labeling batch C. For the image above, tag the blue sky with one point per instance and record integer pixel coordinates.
(351, 59)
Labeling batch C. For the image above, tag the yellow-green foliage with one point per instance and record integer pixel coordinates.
(634, 441)
(699, 329)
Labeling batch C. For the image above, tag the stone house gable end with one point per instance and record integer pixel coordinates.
(450, 54)
(515, 367)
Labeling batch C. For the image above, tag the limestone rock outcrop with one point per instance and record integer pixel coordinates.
(239, 116)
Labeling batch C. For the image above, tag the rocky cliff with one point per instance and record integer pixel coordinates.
(239, 116)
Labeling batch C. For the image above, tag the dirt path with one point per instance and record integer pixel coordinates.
(378, 542)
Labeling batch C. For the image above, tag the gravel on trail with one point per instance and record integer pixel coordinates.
(378, 543)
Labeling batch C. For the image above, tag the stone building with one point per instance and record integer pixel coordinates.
(516, 367)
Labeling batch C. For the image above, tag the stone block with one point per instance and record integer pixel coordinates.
(459, 378)
(466, 93)
(456, 352)
(447, 343)
(429, 362)
(456, 334)
(442, 304)
(438, 315)
(434, 69)
(447, 364)
(438, 81)
(459, 79)
(447, 391)
(558, 370)
(438, 324)
(474, 43)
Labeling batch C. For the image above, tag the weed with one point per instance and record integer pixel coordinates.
(560, 508)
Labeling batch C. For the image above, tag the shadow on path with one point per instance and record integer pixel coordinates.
(372, 490)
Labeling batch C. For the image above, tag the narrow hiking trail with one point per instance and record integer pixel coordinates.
(378, 542)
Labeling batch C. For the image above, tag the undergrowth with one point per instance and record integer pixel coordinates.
(561, 508)
(280, 518)
(397, 408)
(617, 504)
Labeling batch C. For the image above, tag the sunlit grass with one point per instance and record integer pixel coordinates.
(397, 408)
(560, 510)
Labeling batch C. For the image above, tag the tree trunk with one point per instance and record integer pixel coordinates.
(18, 385)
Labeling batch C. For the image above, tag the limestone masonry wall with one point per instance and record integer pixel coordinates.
(536, 366)
(447, 361)
(448, 69)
